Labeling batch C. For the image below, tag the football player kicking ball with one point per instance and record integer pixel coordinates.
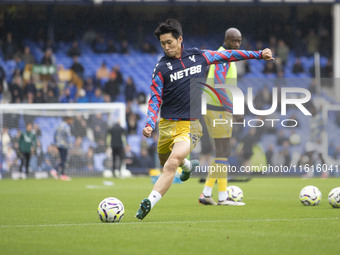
(221, 74)
(179, 128)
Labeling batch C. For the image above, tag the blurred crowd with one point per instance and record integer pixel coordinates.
(26, 85)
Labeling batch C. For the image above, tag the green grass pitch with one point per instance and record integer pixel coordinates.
(55, 217)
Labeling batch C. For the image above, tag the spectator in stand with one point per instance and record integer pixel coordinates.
(9, 47)
(50, 97)
(270, 154)
(16, 90)
(270, 68)
(89, 87)
(262, 98)
(150, 48)
(29, 98)
(99, 127)
(73, 90)
(111, 88)
(68, 96)
(17, 75)
(107, 98)
(49, 44)
(116, 72)
(101, 146)
(145, 160)
(111, 48)
(82, 98)
(272, 42)
(11, 160)
(77, 67)
(299, 45)
(44, 90)
(297, 67)
(2, 75)
(74, 50)
(50, 158)
(326, 40)
(39, 99)
(285, 153)
(282, 51)
(36, 130)
(98, 96)
(20, 64)
(89, 159)
(39, 154)
(141, 98)
(89, 36)
(99, 46)
(30, 87)
(132, 123)
(77, 155)
(249, 141)
(131, 158)
(79, 127)
(5, 139)
(130, 89)
(15, 142)
(48, 58)
(124, 47)
(281, 137)
(103, 72)
(27, 56)
(327, 70)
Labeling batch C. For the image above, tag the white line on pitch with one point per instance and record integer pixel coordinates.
(168, 222)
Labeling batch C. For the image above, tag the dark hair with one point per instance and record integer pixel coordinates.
(169, 26)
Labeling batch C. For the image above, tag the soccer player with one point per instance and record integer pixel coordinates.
(63, 141)
(179, 129)
(221, 74)
(117, 142)
(26, 141)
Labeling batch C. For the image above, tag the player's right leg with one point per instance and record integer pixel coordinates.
(179, 152)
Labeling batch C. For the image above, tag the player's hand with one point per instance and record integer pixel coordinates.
(147, 131)
(267, 54)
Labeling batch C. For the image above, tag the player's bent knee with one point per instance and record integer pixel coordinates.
(172, 164)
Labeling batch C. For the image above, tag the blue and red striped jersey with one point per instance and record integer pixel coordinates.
(170, 88)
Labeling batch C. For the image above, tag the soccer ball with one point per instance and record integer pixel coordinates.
(110, 209)
(310, 195)
(235, 193)
(334, 197)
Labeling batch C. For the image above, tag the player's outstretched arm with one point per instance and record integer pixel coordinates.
(225, 56)
(147, 131)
